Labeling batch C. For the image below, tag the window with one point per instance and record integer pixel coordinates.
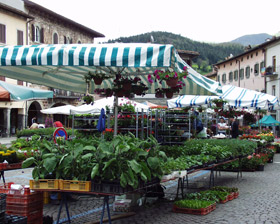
(241, 75)
(20, 83)
(224, 78)
(248, 72)
(230, 77)
(256, 69)
(55, 38)
(37, 34)
(273, 90)
(218, 78)
(274, 63)
(79, 42)
(19, 37)
(262, 64)
(2, 33)
(236, 75)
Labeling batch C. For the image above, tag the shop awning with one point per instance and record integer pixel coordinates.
(10, 92)
(64, 66)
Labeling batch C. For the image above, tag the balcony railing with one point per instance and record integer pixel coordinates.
(272, 71)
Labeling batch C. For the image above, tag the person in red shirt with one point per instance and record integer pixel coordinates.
(58, 124)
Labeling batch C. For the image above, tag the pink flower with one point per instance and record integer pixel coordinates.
(167, 76)
(249, 157)
(157, 76)
(185, 77)
(175, 75)
(185, 68)
(156, 72)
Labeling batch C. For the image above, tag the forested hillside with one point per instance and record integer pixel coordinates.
(209, 53)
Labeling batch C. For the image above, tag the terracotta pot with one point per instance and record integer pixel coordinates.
(120, 93)
(169, 95)
(127, 86)
(219, 104)
(172, 82)
(159, 95)
(97, 80)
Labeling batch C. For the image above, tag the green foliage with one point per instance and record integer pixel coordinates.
(211, 53)
(193, 204)
(40, 131)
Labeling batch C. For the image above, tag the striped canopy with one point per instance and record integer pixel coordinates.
(189, 101)
(64, 66)
(246, 98)
(237, 97)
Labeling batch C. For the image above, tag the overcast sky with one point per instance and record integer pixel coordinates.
(201, 20)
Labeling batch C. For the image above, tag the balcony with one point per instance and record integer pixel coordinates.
(58, 93)
(272, 71)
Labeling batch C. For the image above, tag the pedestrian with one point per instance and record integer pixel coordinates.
(58, 124)
(48, 121)
(234, 127)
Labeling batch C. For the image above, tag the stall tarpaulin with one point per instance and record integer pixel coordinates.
(189, 100)
(65, 110)
(65, 66)
(11, 92)
(267, 120)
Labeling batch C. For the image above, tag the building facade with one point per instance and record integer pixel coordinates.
(24, 22)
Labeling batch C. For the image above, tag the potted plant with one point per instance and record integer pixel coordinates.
(197, 207)
(170, 77)
(219, 102)
(97, 77)
(88, 99)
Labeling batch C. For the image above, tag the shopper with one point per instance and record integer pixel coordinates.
(234, 127)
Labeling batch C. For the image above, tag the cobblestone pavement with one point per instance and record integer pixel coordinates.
(258, 201)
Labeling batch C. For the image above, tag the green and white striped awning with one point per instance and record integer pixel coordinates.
(64, 66)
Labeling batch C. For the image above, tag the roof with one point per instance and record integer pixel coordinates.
(249, 50)
(15, 11)
(189, 53)
(211, 74)
(78, 25)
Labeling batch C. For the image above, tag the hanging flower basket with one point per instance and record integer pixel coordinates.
(97, 80)
(172, 82)
(127, 85)
(120, 93)
(219, 104)
(169, 94)
(88, 99)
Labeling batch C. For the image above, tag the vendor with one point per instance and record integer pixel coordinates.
(222, 126)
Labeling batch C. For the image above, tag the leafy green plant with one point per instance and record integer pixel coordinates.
(193, 204)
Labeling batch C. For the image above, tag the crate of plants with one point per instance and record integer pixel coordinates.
(232, 191)
(195, 207)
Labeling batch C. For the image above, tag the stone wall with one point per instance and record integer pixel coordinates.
(53, 25)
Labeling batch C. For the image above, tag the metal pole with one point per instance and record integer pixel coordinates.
(137, 123)
(116, 115)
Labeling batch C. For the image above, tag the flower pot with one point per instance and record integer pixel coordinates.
(127, 86)
(159, 95)
(260, 167)
(172, 82)
(219, 104)
(120, 93)
(138, 91)
(97, 80)
(169, 95)
(216, 110)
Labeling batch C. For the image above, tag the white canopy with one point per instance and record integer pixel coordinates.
(58, 110)
(102, 103)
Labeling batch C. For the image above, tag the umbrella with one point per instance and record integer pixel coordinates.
(10, 92)
(101, 121)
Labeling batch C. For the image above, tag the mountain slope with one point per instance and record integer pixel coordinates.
(212, 53)
(252, 39)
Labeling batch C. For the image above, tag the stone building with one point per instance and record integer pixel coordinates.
(26, 22)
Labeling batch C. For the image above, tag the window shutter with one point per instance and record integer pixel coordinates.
(42, 35)
(71, 41)
(19, 37)
(33, 33)
(65, 40)
(2, 33)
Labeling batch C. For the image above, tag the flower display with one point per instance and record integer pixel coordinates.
(88, 99)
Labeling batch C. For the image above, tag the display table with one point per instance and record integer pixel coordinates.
(5, 167)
